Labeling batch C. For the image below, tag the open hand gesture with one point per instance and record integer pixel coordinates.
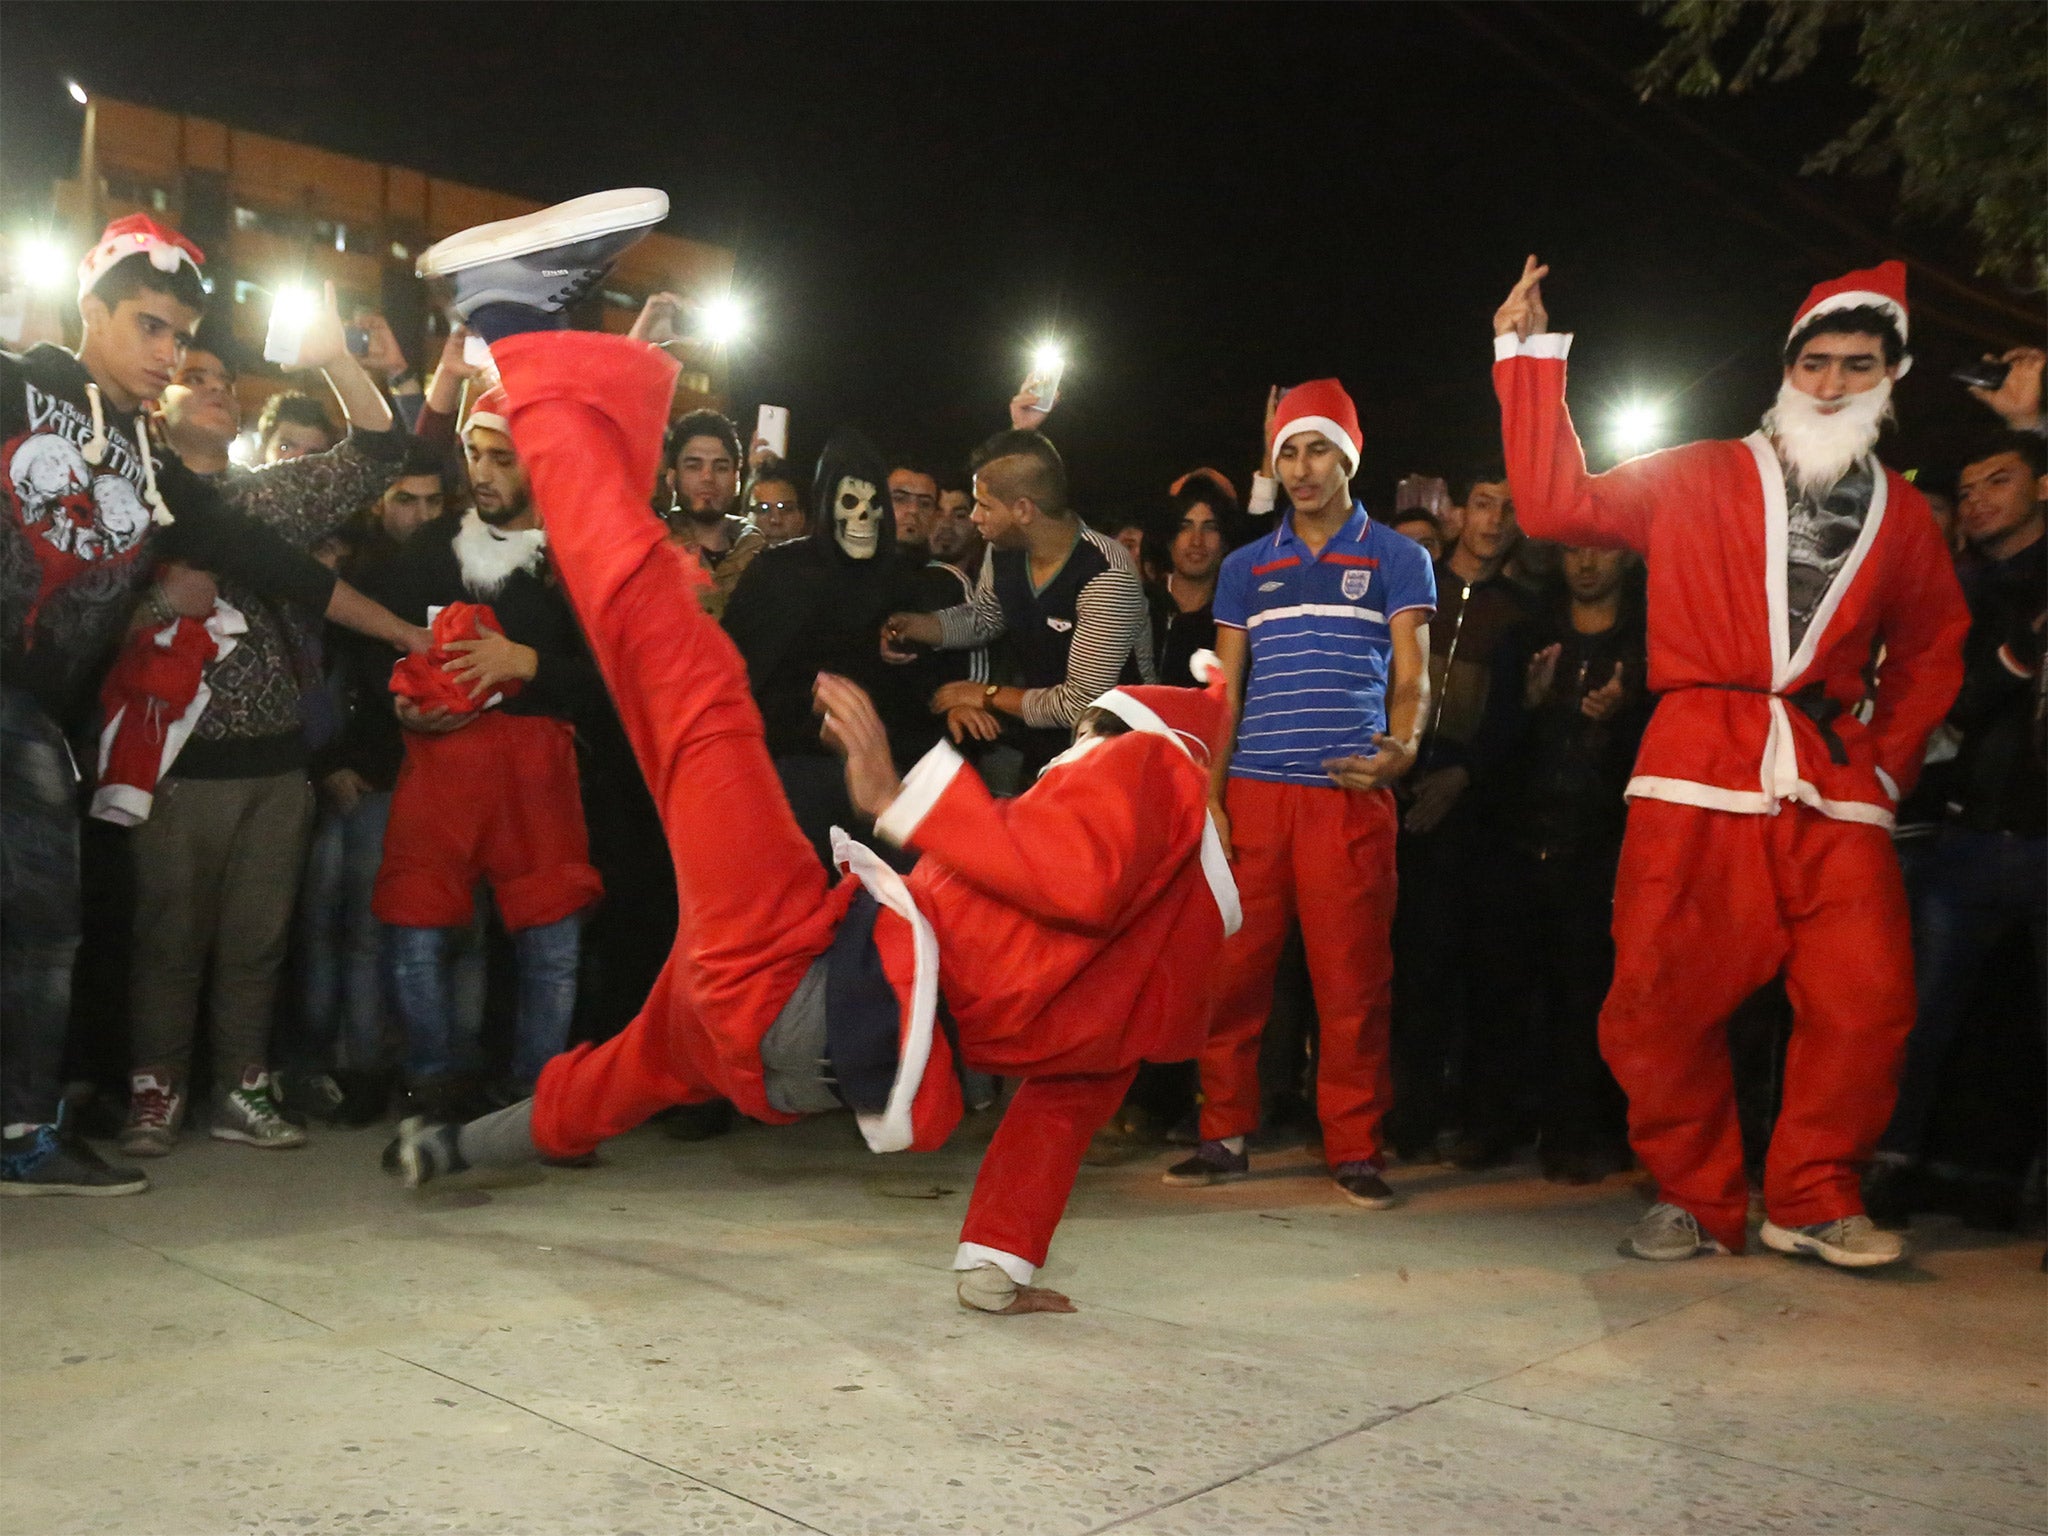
(854, 730)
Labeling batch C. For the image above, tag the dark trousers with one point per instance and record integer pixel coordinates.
(1545, 957)
(1431, 934)
(1969, 892)
(39, 913)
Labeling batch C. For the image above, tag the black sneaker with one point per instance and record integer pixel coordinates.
(1362, 1185)
(426, 1152)
(1213, 1163)
(548, 260)
(46, 1162)
(1475, 1153)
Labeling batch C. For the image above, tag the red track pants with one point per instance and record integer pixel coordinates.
(1710, 906)
(1325, 856)
(587, 417)
(500, 800)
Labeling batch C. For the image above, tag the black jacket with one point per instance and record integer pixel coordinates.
(77, 540)
(1997, 782)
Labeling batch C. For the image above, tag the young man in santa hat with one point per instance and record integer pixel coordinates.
(489, 789)
(1760, 811)
(1331, 612)
(93, 504)
(1056, 937)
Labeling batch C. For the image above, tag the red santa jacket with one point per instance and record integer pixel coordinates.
(1072, 927)
(153, 696)
(1736, 729)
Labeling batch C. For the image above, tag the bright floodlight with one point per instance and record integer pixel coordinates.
(1048, 359)
(723, 321)
(41, 264)
(1637, 426)
(77, 92)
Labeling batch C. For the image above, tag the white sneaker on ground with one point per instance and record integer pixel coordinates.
(1667, 1232)
(249, 1115)
(1853, 1242)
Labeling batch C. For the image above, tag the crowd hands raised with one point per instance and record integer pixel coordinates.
(405, 885)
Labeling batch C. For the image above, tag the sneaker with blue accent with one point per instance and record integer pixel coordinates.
(1852, 1242)
(544, 261)
(44, 1161)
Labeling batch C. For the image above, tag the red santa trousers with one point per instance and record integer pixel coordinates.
(1326, 857)
(497, 800)
(756, 910)
(1710, 905)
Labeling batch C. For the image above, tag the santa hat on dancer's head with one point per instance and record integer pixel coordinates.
(1882, 288)
(1195, 718)
(138, 235)
(492, 412)
(1320, 405)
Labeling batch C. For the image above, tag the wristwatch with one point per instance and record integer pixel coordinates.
(988, 695)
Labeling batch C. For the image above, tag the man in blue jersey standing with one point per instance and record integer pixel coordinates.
(1331, 613)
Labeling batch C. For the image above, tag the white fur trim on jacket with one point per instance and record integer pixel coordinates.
(1215, 863)
(489, 558)
(921, 789)
(974, 1255)
(890, 1131)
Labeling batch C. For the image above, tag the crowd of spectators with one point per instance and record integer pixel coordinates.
(384, 894)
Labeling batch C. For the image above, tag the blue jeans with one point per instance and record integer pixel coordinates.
(342, 939)
(1968, 890)
(39, 907)
(438, 1045)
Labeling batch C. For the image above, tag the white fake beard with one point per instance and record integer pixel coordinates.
(1818, 446)
(490, 558)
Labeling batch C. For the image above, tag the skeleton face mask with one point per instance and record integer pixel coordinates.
(857, 517)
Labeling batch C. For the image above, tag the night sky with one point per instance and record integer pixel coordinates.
(1201, 200)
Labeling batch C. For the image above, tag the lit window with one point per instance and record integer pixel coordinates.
(245, 290)
(159, 199)
(341, 237)
(246, 218)
(399, 252)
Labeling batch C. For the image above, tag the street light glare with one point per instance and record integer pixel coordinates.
(77, 92)
(41, 264)
(724, 321)
(1637, 426)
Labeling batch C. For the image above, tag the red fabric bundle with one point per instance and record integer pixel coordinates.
(423, 679)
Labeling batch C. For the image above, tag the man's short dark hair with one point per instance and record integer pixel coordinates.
(705, 423)
(1416, 515)
(2030, 446)
(1485, 472)
(1031, 468)
(915, 467)
(421, 458)
(779, 472)
(297, 408)
(132, 275)
(1863, 320)
(953, 480)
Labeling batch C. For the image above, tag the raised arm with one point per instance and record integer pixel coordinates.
(1555, 498)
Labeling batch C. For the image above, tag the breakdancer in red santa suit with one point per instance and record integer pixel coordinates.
(1761, 807)
(1060, 938)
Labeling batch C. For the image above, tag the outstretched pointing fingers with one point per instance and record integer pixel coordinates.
(1523, 311)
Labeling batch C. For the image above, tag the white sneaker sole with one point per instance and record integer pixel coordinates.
(27, 1191)
(267, 1144)
(1786, 1240)
(579, 219)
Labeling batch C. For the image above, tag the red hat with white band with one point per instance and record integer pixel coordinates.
(137, 234)
(1319, 406)
(1882, 287)
(492, 412)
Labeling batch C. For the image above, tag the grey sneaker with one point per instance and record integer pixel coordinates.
(46, 1161)
(156, 1109)
(1853, 1242)
(249, 1114)
(1668, 1232)
(545, 260)
(1213, 1163)
(426, 1151)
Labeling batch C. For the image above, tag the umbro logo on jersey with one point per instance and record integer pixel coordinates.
(554, 271)
(1060, 625)
(1271, 586)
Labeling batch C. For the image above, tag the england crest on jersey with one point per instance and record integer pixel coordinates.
(1355, 583)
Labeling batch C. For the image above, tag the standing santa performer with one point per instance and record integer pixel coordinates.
(1059, 938)
(1762, 802)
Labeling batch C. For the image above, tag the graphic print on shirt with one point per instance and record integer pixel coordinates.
(1819, 533)
(71, 516)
